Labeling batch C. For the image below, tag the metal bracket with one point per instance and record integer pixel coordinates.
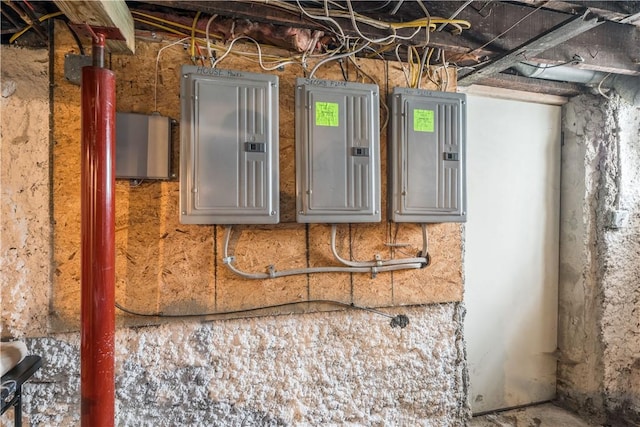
(73, 67)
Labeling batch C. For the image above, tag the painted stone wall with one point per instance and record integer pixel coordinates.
(340, 367)
(311, 369)
(25, 231)
(599, 330)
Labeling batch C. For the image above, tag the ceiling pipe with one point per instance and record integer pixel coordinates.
(628, 87)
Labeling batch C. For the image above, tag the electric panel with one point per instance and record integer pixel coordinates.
(229, 147)
(143, 146)
(427, 157)
(337, 152)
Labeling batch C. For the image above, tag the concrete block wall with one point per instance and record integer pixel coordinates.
(599, 312)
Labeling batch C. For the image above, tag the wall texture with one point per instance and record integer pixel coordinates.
(25, 230)
(162, 265)
(340, 367)
(599, 323)
(313, 369)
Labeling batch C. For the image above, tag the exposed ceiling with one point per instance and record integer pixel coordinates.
(486, 40)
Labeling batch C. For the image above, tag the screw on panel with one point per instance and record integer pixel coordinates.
(272, 213)
(301, 212)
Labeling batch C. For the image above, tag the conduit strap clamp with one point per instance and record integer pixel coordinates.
(272, 271)
(228, 260)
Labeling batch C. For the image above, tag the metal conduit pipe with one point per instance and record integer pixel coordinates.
(628, 87)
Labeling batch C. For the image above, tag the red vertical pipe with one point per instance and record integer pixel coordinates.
(97, 386)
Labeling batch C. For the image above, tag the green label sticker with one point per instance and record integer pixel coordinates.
(423, 120)
(327, 114)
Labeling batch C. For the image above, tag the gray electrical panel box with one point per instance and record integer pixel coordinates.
(337, 152)
(427, 157)
(143, 146)
(228, 147)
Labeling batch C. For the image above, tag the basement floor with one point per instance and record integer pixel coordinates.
(544, 415)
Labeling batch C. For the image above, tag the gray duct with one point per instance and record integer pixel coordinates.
(628, 87)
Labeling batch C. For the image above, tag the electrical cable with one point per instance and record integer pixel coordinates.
(400, 320)
(423, 62)
(160, 27)
(264, 67)
(377, 263)
(404, 70)
(381, 7)
(577, 59)
(454, 14)
(445, 83)
(324, 18)
(508, 29)
(168, 22)
(397, 7)
(600, 86)
(76, 38)
(155, 85)
(28, 27)
(352, 16)
(193, 37)
(334, 57)
(206, 32)
(272, 273)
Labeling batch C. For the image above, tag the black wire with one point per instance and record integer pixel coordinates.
(76, 38)
(344, 74)
(544, 67)
(249, 310)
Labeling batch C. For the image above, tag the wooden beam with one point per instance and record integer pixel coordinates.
(268, 13)
(626, 12)
(527, 84)
(109, 14)
(565, 31)
(513, 94)
(610, 47)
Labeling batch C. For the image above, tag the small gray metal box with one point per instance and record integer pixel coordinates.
(143, 146)
(228, 147)
(337, 152)
(427, 165)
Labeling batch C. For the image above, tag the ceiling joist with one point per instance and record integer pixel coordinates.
(559, 34)
(111, 15)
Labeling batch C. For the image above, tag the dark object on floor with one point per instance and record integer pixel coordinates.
(12, 385)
